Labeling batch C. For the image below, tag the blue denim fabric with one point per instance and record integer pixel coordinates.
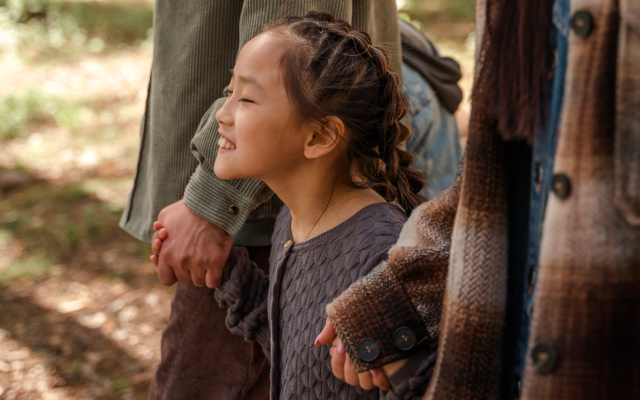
(544, 149)
(435, 141)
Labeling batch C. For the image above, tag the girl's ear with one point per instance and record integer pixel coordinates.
(324, 138)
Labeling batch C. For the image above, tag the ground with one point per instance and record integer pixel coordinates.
(81, 310)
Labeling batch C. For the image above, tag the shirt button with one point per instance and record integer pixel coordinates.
(233, 209)
(544, 358)
(368, 350)
(404, 339)
(288, 243)
(561, 186)
(582, 23)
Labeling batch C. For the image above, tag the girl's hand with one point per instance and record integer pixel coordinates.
(342, 365)
(159, 235)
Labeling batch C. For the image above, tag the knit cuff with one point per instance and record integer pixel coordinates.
(226, 204)
(374, 308)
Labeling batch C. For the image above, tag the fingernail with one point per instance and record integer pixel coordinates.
(340, 348)
(317, 341)
(374, 373)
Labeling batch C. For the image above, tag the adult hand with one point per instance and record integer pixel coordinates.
(343, 367)
(194, 251)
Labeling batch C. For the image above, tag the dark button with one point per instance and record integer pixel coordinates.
(404, 339)
(582, 23)
(368, 350)
(544, 358)
(561, 186)
(233, 210)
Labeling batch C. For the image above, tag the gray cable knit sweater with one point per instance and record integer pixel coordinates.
(285, 311)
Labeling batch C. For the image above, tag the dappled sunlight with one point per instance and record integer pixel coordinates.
(81, 308)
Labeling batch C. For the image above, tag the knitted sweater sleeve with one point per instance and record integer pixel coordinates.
(407, 291)
(244, 291)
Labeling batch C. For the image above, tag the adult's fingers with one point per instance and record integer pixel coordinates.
(198, 278)
(366, 382)
(337, 361)
(350, 373)
(327, 335)
(380, 379)
(213, 278)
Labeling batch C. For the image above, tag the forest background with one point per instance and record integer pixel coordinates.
(81, 309)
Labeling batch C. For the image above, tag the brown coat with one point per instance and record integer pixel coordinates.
(587, 299)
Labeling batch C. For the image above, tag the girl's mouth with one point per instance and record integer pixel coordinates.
(225, 143)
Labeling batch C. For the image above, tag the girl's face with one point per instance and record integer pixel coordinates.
(258, 135)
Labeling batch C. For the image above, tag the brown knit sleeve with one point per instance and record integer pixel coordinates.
(406, 291)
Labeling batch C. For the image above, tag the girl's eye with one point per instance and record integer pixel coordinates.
(229, 93)
(245, 101)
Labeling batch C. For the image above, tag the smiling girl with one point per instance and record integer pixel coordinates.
(315, 112)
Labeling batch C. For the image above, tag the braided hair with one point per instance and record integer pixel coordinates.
(331, 69)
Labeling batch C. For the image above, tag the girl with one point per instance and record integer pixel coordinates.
(314, 111)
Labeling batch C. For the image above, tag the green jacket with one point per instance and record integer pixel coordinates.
(195, 46)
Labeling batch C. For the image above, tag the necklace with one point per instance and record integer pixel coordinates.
(325, 209)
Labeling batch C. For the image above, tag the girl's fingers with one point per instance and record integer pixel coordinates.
(366, 381)
(380, 379)
(163, 234)
(350, 373)
(156, 246)
(154, 260)
(338, 361)
(157, 226)
(327, 334)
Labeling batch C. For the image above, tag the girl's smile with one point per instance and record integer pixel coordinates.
(225, 144)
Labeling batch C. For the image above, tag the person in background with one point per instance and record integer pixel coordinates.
(430, 82)
(539, 236)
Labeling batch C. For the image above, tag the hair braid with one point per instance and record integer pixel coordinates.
(330, 69)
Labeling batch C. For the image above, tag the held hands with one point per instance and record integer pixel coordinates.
(194, 251)
(343, 367)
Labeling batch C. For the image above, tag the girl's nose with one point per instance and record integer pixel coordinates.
(224, 116)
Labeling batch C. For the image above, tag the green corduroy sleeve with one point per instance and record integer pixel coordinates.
(225, 203)
(213, 198)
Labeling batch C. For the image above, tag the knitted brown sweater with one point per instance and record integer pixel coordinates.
(285, 311)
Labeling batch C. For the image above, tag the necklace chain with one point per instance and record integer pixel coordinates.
(325, 209)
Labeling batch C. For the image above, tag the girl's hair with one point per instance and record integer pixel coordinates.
(330, 69)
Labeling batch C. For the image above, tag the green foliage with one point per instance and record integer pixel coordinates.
(61, 28)
(16, 111)
(32, 266)
(54, 221)
(68, 116)
(33, 105)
